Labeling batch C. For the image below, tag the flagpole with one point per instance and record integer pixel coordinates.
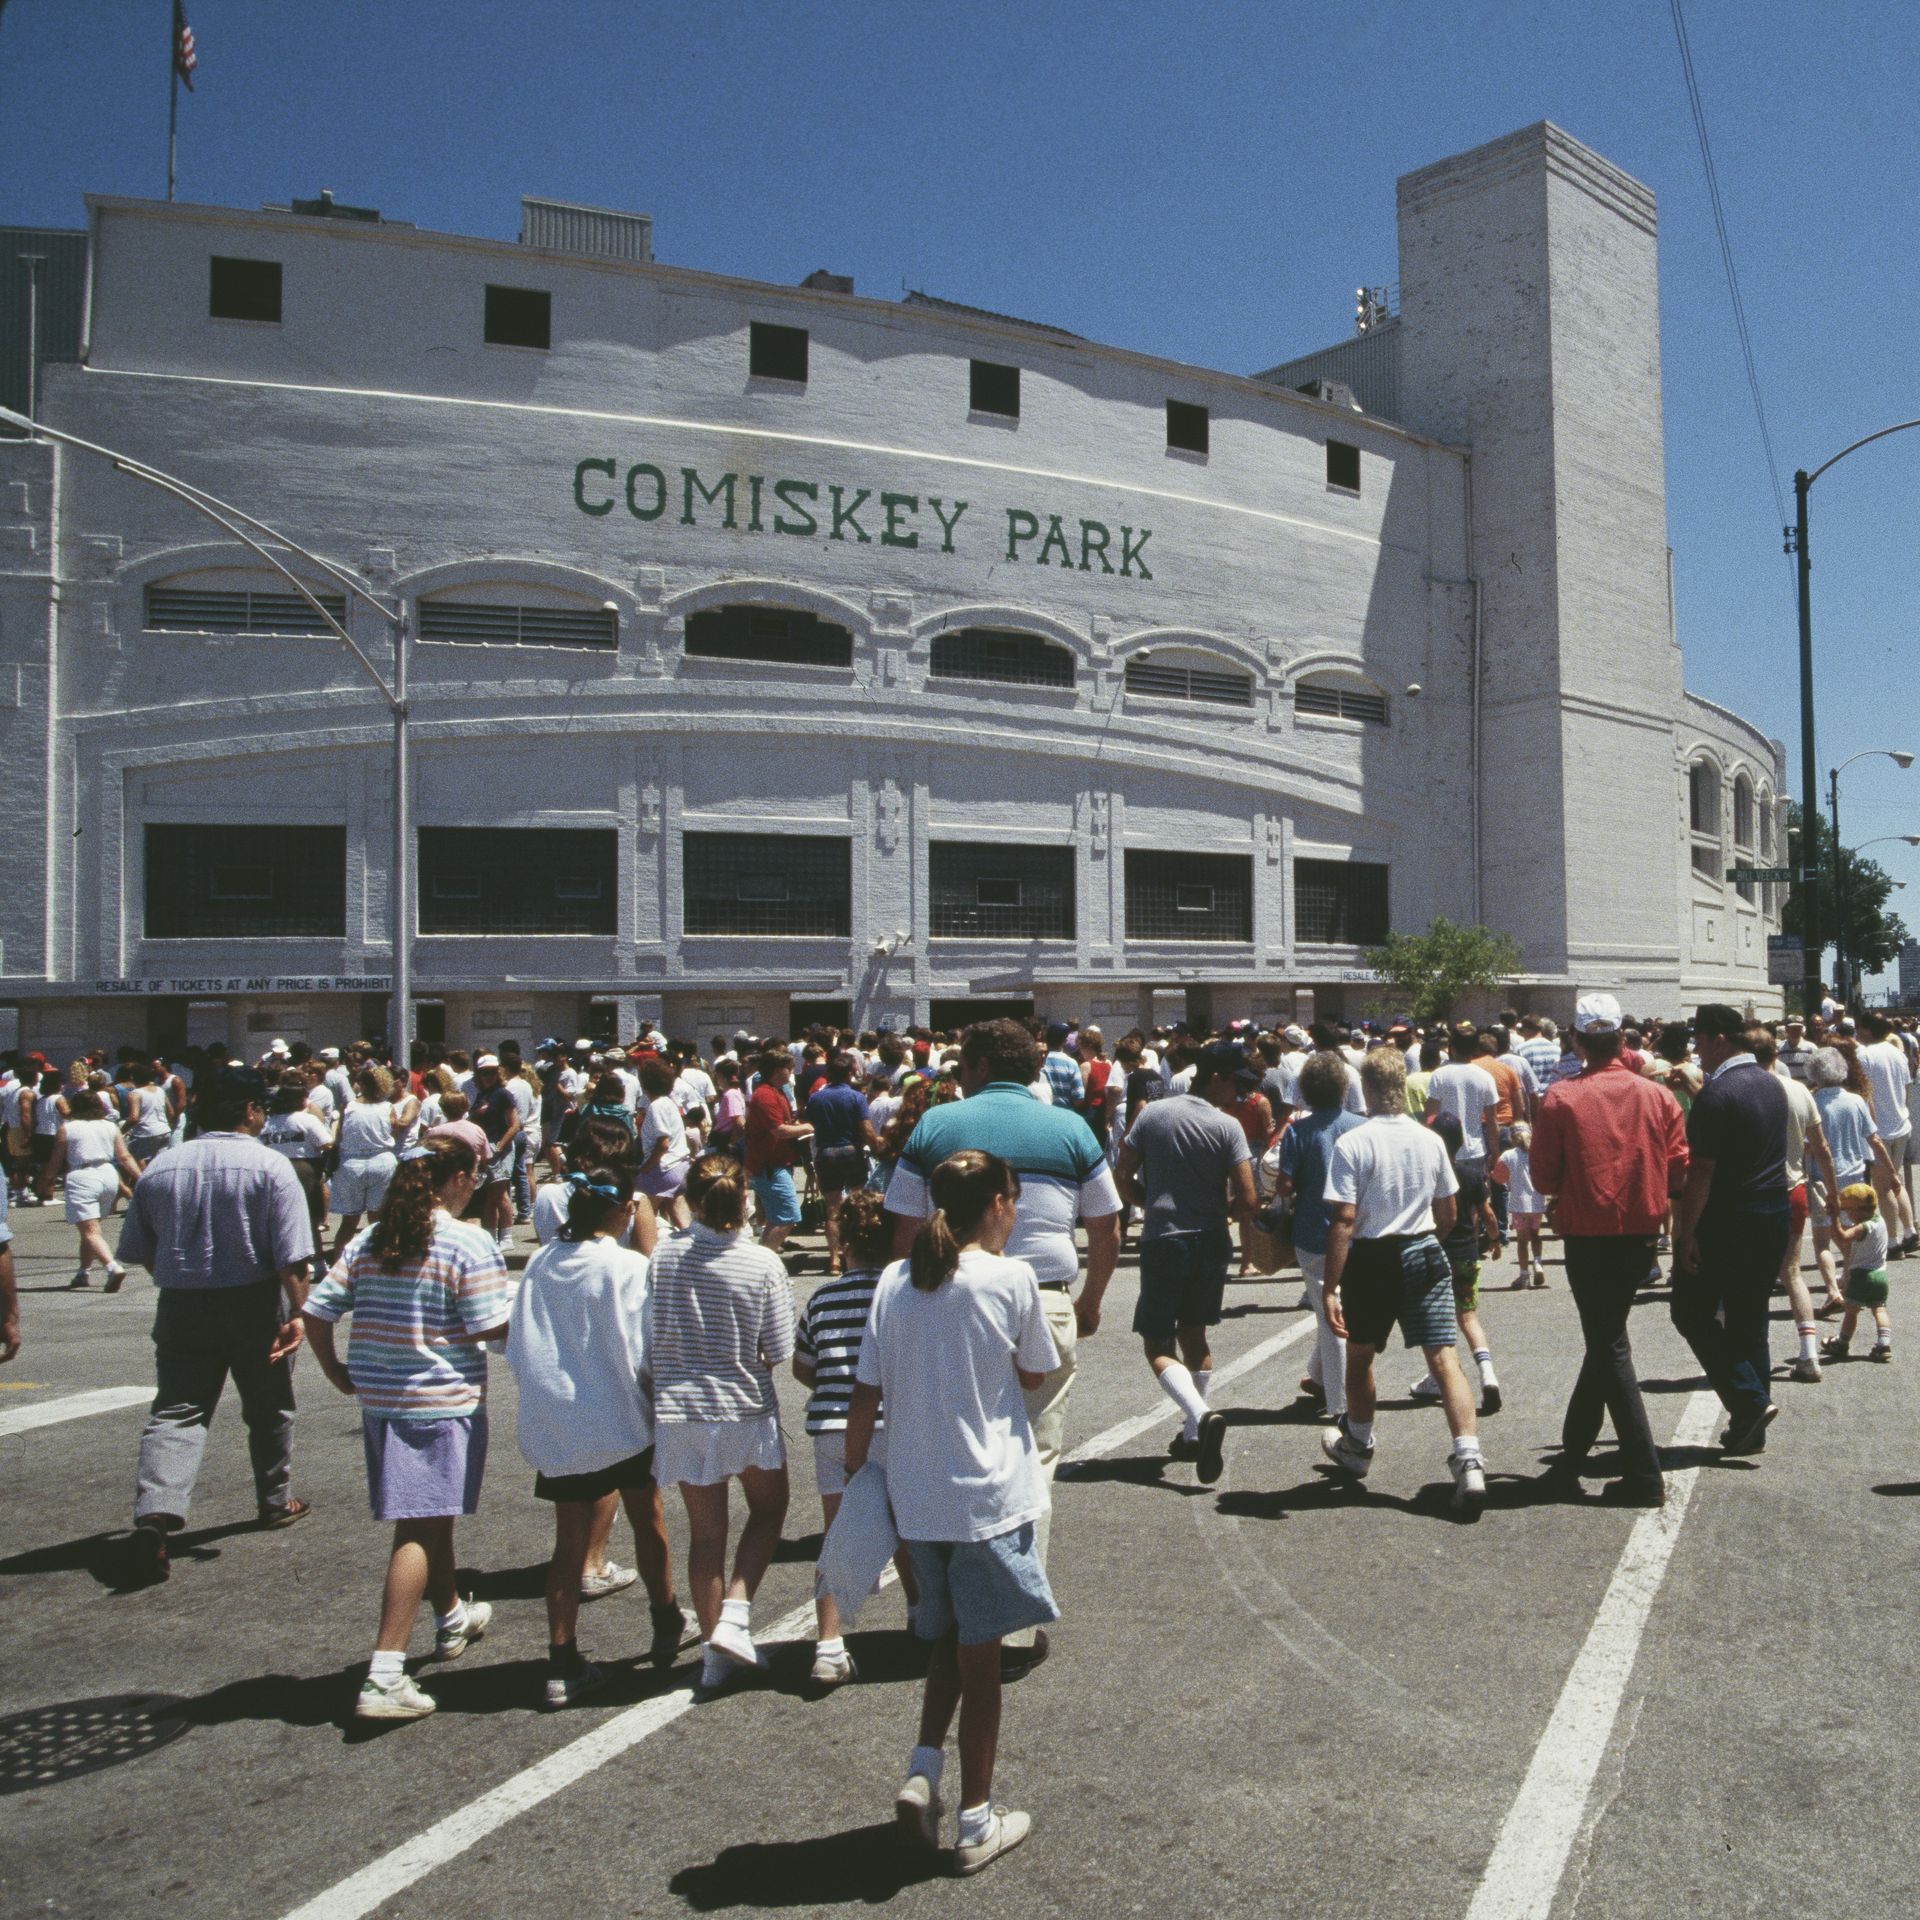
(173, 87)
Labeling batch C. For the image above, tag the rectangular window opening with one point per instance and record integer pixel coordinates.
(519, 317)
(517, 880)
(1343, 466)
(1186, 426)
(219, 882)
(1193, 899)
(1189, 896)
(1340, 903)
(784, 636)
(786, 884)
(994, 389)
(996, 893)
(243, 289)
(776, 352)
(1000, 892)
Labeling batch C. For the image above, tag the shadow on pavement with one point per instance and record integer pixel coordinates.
(867, 1864)
(1135, 1470)
(104, 1554)
(1691, 1384)
(803, 1547)
(1897, 1489)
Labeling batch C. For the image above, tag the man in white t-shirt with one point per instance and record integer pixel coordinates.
(1390, 1201)
(1884, 1061)
(1465, 1089)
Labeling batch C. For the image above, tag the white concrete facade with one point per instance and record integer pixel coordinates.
(1504, 553)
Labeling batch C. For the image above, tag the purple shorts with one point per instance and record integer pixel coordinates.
(425, 1469)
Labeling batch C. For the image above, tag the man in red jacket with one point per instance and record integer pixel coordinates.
(1611, 1147)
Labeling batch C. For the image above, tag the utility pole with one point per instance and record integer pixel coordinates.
(1807, 880)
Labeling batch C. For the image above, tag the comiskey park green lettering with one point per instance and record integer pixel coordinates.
(817, 510)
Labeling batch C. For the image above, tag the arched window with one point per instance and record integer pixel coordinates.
(1188, 673)
(1004, 655)
(1703, 813)
(1742, 811)
(510, 614)
(219, 603)
(786, 636)
(1339, 696)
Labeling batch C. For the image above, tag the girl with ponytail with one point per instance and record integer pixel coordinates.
(719, 1322)
(424, 1290)
(577, 1344)
(956, 1337)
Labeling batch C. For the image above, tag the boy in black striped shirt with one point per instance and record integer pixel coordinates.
(826, 1350)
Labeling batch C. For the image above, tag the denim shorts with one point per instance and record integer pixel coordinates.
(980, 1590)
(779, 1203)
(1183, 1280)
(1406, 1280)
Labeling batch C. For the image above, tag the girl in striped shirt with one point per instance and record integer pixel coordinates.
(826, 1351)
(424, 1290)
(719, 1321)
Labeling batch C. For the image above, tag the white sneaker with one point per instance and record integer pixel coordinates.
(613, 1578)
(1425, 1388)
(833, 1669)
(1807, 1370)
(1346, 1453)
(1005, 1831)
(735, 1644)
(449, 1643)
(916, 1811)
(403, 1700)
(564, 1689)
(1469, 1481)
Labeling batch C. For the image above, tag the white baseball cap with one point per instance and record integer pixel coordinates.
(1597, 1013)
(486, 1060)
(329, 1053)
(279, 1046)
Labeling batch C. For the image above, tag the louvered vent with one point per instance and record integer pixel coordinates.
(471, 624)
(194, 610)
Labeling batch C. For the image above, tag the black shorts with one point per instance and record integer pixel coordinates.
(840, 1169)
(1183, 1281)
(624, 1476)
(1406, 1281)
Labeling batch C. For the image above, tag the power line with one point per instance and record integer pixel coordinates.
(1726, 255)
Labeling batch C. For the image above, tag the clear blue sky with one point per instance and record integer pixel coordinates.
(1208, 182)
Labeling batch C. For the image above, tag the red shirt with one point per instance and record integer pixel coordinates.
(768, 1109)
(1611, 1147)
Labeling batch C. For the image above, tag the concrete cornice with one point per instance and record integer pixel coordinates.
(1540, 145)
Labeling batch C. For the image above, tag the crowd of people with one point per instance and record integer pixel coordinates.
(974, 1193)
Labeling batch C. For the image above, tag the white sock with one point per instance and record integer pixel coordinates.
(1203, 1381)
(1361, 1431)
(1177, 1384)
(453, 1619)
(929, 1761)
(1467, 1443)
(976, 1823)
(736, 1613)
(1883, 1336)
(387, 1669)
(834, 1649)
(1809, 1343)
(1483, 1358)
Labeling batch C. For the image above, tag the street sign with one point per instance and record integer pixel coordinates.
(1786, 960)
(1762, 873)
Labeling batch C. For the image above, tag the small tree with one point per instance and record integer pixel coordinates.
(1433, 969)
(1873, 935)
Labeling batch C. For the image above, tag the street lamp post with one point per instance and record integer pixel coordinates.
(1841, 965)
(1808, 881)
(258, 538)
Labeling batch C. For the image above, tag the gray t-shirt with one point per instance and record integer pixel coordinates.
(1187, 1149)
(219, 1211)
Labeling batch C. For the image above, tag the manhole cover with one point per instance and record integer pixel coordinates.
(45, 1745)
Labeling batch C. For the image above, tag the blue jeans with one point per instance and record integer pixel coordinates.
(522, 1184)
(1740, 1256)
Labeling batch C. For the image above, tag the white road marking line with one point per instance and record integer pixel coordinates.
(1530, 1855)
(1117, 1437)
(360, 1893)
(72, 1406)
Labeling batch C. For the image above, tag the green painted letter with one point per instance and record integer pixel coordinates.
(659, 493)
(1021, 525)
(896, 504)
(1055, 538)
(1131, 551)
(724, 485)
(806, 524)
(1090, 544)
(947, 526)
(580, 485)
(843, 516)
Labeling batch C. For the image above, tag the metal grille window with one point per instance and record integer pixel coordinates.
(756, 883)
(196, 610)
(994, 653)
(1215, 686)
(243, 289)
(994, 389)
(518, 317)
(1189, 896)
(1001, 893)
(777, 353)
(1339, 903)
(783, 635)
(242, 882)
(518, 879)
(1336, 702)
(471, 624)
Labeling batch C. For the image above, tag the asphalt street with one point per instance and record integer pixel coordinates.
(1279, 1695)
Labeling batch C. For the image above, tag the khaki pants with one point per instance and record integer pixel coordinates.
(1047, 1415)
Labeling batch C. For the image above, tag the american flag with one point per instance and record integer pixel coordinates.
(184, 57)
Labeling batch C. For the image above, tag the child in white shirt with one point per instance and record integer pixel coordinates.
(1525, 1205)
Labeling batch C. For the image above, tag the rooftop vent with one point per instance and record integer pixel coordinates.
(328, 208)
(821, 281)
(562, 227)
(1336, 393)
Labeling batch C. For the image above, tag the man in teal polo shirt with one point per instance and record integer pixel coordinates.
(1064, 1180)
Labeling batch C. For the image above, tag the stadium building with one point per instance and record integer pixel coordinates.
(782, 654)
